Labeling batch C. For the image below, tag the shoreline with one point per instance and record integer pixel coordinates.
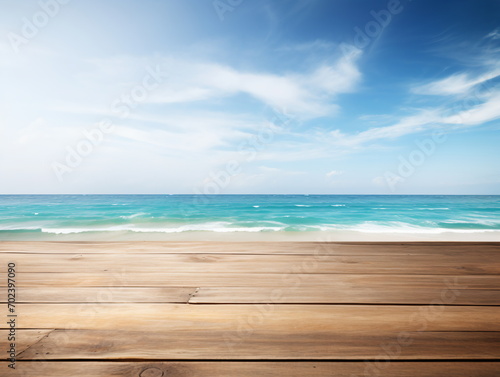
(319, 236)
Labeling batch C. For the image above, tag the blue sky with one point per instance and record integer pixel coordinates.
(250, 96)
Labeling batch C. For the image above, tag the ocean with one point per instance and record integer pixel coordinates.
(100, 216)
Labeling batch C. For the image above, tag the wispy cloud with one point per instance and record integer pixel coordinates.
(333, 173)
(425, 119)
(405, 126)
(472, 99)
(495, 34)
(309, 95)
(485, 112)
(455, 84)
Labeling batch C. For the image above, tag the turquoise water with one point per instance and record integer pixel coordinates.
(112, 214)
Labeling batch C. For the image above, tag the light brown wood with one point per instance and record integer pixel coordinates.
(319, 295)
(254, 248)
(101, 294)
(24, 339)
(231, 279)
(194, 263)
(249, 295)
(214, 344)
(278, 319)
(252, 369)
(272, 309)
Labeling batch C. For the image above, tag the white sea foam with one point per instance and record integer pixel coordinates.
(400, 227)
(134, 215)
(338, 205)
(435, 209)
(19, 227)
(475, 221)
(266, 226)
(219, 227)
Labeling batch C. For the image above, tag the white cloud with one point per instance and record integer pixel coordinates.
(268, 169)
(334, 173)
(455, 84)
(471, 109)
(495, 34)
(406, 125)
(65, 99)
(308, 95)
(316, 45)
(174, 142)
(482, 113)
(426, 119)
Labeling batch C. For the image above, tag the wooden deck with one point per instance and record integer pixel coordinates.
(179, 309)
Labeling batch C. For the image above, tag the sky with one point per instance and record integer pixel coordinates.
(249, 97)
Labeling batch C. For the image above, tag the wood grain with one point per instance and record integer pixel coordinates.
(230, 279)
(252, 369)
(101, 294)
(264, 345)
(194, 263)
(315, 309)
(24, 339)
(254, 248)
(261, 317)
(416, 295)
(368, 295)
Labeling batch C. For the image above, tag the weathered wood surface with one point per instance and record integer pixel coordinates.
(408, 295)
(434, 264)
(287, 280)
(252, 369)
(252, 248)
(271, 309)
(279, 319)
(263, 345)
(368, 295)
(100, 294)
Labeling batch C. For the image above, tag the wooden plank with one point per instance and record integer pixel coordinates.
(100, 302)
(252, 369)
(216, 345)
(314, 295)
(190, 247)
(229, 279)
(101, 294)
(249, 295)
(307, 319)
(24, 339)
(194, 263)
